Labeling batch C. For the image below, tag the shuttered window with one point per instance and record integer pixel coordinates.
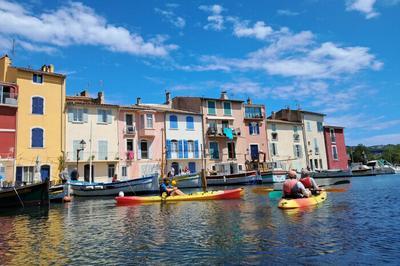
(189, 123)
(37, 138)
(214, 150)
(37, 105)
(102, 145)
(173, 122)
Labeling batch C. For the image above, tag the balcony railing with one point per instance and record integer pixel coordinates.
(219, 132)
(130, 130)
(9, 98)
(96, 156)
(253, 116)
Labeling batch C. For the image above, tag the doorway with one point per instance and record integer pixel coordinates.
(254, 151)
(86, 173)
(45, 172)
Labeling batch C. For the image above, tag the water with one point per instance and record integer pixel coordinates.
(356, 227)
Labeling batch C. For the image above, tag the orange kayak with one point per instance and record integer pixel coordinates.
(303, 202)
(209, 195)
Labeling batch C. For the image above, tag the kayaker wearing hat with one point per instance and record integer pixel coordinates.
(165, 187)
(292, 188)
(308, 181)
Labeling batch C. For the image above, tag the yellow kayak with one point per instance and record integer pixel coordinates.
(209, 195)
(302, 202)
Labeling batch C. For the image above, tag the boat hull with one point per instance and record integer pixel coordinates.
(133, 186)
(30, 195)
(273, 177)
(210, 195)
(332, 174)
(302, 202)
(189, 181)
(233, 179)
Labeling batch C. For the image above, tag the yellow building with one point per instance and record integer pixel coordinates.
(40, 120)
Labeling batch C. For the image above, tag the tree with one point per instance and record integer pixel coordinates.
(360, 153)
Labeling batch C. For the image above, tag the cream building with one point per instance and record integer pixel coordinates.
(286, 143)
(94, 124)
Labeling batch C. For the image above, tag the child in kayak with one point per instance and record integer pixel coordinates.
(165, 187)
(292, 188)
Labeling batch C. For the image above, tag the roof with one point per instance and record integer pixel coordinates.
(328, 126)
(39, 72)
(312, 113)
(82, 100)
(211, 99)
(283, 122)
(162, 108)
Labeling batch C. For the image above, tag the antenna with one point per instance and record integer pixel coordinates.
(13, 48)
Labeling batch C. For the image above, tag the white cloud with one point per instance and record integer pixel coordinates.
(259, 30)
(383, 139)
(286, 12)
(364, 6)
(215, 19)
(73, 24)
(171, 17)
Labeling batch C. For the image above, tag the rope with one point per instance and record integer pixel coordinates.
(16, 192)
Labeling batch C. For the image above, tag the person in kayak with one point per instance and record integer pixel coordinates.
(308, 181)
(292, 188)
(165, 187)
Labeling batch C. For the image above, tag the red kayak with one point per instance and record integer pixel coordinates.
(209, 195)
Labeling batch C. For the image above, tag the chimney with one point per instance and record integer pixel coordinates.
(100, 97)
(84, 93)
(224, 95)
(273, 116)
(168, 98)
(138, 101)
(44, 68)
(249, 101)
(50, 68)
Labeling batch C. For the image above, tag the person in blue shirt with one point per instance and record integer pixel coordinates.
(165, 187)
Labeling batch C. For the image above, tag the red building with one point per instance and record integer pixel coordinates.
(8, 130)
(335, 147)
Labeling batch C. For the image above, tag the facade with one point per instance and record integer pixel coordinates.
(313, 135)
(40, 120)
(93, 122)
(231, 136)
(8, 126)
(286, 144)
(335, 148)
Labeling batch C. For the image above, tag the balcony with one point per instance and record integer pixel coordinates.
(147, 132)
(219, 132)
(96, 156)
(253, 113)
(8, 98)
(130, 130)
(333, 139)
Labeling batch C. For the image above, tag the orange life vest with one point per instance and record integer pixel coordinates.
(306, 182)
(288, 186)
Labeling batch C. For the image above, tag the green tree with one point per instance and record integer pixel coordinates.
(360, 153)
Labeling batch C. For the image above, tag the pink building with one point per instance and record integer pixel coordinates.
(335, 147)
(234, 132)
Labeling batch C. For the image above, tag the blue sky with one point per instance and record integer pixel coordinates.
(332, 56)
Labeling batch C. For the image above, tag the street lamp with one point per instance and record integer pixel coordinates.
(81, 148)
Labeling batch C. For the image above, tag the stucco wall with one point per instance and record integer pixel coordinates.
(342, 161)
(319, 135)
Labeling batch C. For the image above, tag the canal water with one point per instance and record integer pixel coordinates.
(359, 226)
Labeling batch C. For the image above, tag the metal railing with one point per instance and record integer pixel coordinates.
(9, 98)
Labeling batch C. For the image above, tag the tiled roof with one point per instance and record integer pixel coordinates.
(283, 122)
(39, 72)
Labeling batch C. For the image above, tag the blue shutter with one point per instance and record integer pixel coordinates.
(85, 115)
(180, 149)
(70, 115)
(18, 177)
(168, 149)
(250, 129)
(37, 138)
(192, 167)
(40, 105)
(103, 149)
(185, 149)
(189, 122)
(173, 121)
(196, 149)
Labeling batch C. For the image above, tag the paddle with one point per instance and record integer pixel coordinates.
(278, 193)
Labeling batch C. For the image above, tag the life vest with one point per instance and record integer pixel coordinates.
(288, 186)
(306, 182)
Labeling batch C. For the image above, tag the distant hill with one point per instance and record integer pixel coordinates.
(361, 153)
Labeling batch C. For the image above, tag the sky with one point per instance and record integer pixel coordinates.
(337, 57)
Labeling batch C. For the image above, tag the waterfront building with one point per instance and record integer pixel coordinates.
(8, 126)
(313, 135)
(336, 148)
(91, 137)
(234, 132)
(286, 144)
(40, 120)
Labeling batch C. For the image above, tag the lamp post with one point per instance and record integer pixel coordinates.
(81, 148)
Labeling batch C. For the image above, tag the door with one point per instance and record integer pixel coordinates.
(254, 151)
(175, 165)
(86, 173)
(192, 167)
(45, 172)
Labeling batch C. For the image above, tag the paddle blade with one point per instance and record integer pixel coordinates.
(262, 190)
(275, 195)
(336, 189)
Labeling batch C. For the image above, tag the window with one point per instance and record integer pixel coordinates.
(103, 149)
(316, 163)
(24, 174)
(296, 137)
(231, 150)
(308, 126)
(273, 127)
(129, 145)
(225, 124)
(174, 145)
(227, 108)
(189, 123)
(128, 119)
(332, 135)
(316, 148)
(311, 164)
(295, 129)
(37, 138)
(320, 127)
(149, 121)
(214, 150)
(111, 170)
(173, 122)
(335, 153)
(144, 149)
(274, 136)
(274, 149)
(211, 107)
(297, 151)
(124, 171)
(190, 144)
(320, 164)
(253, 112)
(254, 128)
(37, 105)
(77, 115)
(101, 116)
(37, 78)
(192, 167)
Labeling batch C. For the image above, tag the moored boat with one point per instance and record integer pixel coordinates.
(142, 185)
(209, 195)
(302, 202)
(188, 181)
(273, 176)
(29, 195)
(332, 173)
(59, 193)
(233, 179)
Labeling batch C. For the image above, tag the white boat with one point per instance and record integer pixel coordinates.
(332, 173)
(250, 177)
(188, 181)
(142, 185)
(397, 169)
(381, 167)
(359, 169)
